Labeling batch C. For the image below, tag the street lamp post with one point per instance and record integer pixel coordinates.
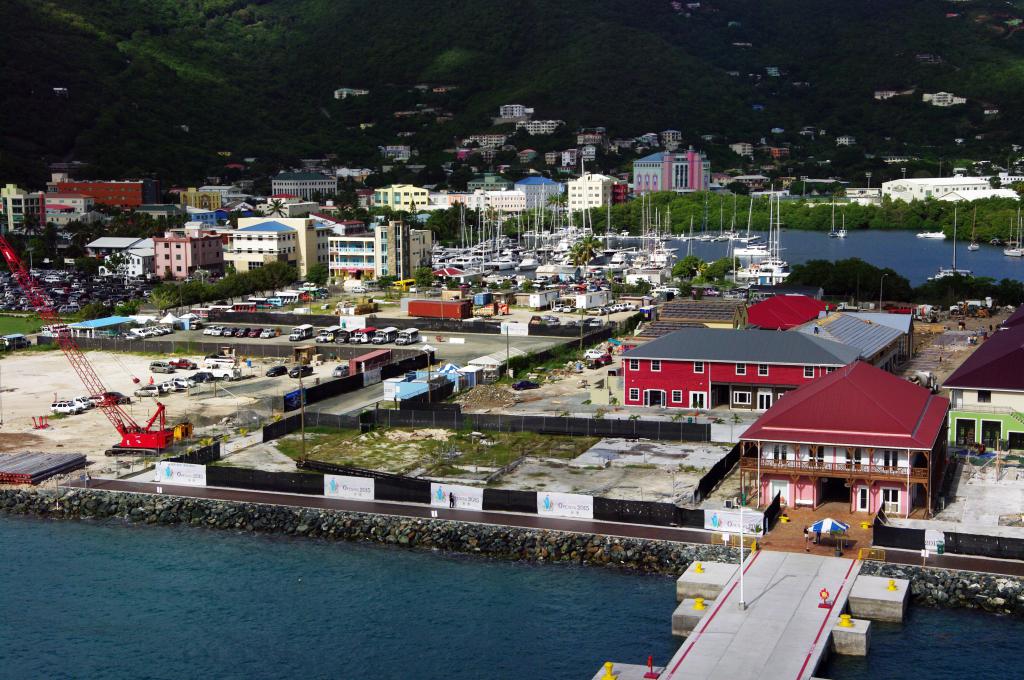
(868, 175)
(743, 602)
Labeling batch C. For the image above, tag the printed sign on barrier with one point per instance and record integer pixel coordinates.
(466, 497)
(574, 505)
(371, 377)
(349, 488)
(185, 474)
(729, 520)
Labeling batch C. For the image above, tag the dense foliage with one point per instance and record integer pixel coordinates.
(182, 87)
(271, 276)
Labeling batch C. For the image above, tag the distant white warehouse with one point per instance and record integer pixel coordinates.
(958, 188)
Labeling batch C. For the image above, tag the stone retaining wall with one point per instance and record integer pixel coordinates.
(498, 542)
(951, 588)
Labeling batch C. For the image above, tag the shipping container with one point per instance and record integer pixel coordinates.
(369, 361)
(438, 309)
(542, 299)
(481, 299)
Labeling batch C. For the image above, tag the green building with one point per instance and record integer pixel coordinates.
(987, 391)
(489, 182)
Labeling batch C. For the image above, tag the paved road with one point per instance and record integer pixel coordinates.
(411, 510)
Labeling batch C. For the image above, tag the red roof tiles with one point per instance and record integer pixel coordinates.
(783, 312)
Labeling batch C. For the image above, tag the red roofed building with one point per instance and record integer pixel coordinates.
(782, 312)
(859, 435)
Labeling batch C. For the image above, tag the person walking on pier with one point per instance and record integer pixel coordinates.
(451, 499)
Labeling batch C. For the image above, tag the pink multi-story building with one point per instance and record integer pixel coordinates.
(668, 171)
(180, 252)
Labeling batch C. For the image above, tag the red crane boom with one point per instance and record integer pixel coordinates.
(133, 435)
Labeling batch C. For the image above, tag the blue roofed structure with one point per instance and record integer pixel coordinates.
(269, 225)
(539, 190)
(108, 325)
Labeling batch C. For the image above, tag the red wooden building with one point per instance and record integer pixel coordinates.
(703, 367)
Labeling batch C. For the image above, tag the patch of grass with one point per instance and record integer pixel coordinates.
(24, 324)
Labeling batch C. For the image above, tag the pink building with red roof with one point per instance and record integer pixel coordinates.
(859, 435)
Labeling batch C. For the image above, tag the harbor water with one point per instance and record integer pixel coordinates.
(106, 600)
(912, 257)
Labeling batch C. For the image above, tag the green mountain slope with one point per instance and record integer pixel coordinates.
(163, 85)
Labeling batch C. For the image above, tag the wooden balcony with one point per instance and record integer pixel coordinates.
(844, 470)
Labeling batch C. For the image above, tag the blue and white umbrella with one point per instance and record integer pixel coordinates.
(829, 526)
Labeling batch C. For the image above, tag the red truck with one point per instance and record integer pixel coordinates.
(441, 309)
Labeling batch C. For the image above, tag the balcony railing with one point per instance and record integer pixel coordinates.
(848, 470)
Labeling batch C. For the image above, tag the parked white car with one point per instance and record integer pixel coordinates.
(84, 402)
(594, 353)
(182, 384)
(66, 407)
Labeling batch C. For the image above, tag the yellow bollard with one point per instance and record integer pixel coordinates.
(865, 525)
(699, 569)
(844, 621)
(892, 584)
(698, 604)
(608, 675)
(753, 546)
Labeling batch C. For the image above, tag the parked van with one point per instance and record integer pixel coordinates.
(225, 372)
(160, 367)
(328, 334)
(275, 302)
(362, 336)
(342, 336)
(385, 335)
(303, 332)
(409, 336)
(15, 341)
(210, 363)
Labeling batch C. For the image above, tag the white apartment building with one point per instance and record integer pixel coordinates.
(958, 188)
(508, 111)
(306, 185)
(742, 148)
(845, 140)
(386, 249)
(487, 140)
(539, 127)
(942, 99)
(508, 201)
(17, 205)
(671, 139)
(346, 92)
(257, 241)
(590, 191)
(396, 152)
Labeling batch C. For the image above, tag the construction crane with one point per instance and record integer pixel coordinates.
(154, 435)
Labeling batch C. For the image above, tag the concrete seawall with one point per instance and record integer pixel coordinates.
(512, 543)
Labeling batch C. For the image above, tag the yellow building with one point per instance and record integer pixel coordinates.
(401, 197)
(204, 200)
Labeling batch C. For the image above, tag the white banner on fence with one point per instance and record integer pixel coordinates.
(371, 377)
(572, 505)
(729, 520)
(516, 328)
(349, 488)
(466, 497)
(240, 443)
(185, 474)
(932, 538)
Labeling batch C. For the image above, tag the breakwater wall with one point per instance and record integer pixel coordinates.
(951, 588)
(512, 543)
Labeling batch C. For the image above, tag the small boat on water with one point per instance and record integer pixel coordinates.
(945, 272)
(974, 240)
(938, 235)
(1013, 246)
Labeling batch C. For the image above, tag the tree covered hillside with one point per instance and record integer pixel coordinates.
(164, 85)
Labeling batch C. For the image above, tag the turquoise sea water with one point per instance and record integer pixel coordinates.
(106, 600)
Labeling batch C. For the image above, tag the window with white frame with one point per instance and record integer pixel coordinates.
(655, 365)
(762, 369)
(741, 369)
(808, 371)
(741, 398)
(634, 393)
(677, 396)
(698, 366)
(779, 452)
(634, 364)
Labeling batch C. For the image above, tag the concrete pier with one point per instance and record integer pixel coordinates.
(852, 640)
(686, 616)
(880, 599)
(783, 631)
(704, 579)
(625, 671)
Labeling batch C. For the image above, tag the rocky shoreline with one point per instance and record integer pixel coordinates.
(510, 543)
(929, 586)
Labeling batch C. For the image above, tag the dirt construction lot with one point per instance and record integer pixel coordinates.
(30, 381)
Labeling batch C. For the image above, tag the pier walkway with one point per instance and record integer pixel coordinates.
(781, 634)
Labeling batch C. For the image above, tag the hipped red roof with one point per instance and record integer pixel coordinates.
(783, 312)
(857, 405)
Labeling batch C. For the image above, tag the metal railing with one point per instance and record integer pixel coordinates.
(835, 469)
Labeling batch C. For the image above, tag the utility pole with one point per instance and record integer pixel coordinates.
(881, 283)
(743, 601)
(302, 413)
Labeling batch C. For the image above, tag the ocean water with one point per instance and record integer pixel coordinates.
(106, 600)
(914, 258)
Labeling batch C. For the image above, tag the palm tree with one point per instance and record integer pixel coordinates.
(275, 208)
(585, 250)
